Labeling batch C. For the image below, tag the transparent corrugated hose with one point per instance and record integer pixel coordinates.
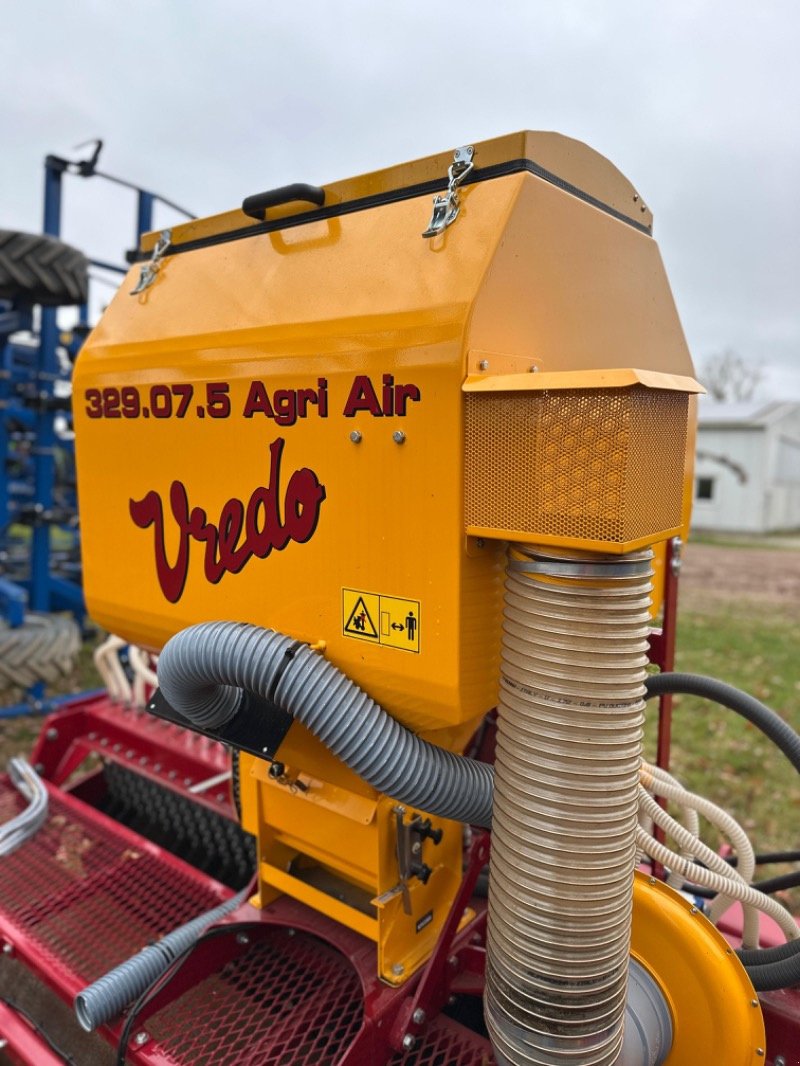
(565, 805)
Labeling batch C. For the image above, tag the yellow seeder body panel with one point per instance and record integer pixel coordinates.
(214, 415)
(328, 425)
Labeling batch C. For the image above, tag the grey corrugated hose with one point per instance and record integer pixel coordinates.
(108, 996)
(204, 670)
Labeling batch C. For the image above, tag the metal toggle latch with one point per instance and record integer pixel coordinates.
(151, 268)
(446, 208)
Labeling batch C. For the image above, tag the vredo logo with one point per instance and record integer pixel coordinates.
(243, 530)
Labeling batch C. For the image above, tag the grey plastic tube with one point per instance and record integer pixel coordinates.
(203, 671)
(107, 997)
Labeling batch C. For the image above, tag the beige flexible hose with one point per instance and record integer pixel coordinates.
(663, 784)
(565, 805)
(709, 879)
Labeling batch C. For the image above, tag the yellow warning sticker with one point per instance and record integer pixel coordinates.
(388, 620)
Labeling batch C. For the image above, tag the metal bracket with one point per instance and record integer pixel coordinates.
(410, 837)
(446, 208)
(150, 270)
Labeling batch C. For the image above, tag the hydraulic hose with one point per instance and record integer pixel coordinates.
(107, 997)
(204, 670)
(708, 688)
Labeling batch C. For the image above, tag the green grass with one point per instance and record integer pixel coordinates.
(717, 753)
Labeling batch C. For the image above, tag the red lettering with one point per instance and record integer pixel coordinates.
(362, 398)
(257, 401)
(403, 393)
(243, 530)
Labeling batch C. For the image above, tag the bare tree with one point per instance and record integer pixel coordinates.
(729, 377)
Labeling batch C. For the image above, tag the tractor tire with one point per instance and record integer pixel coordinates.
(43, 648)
(38, 269)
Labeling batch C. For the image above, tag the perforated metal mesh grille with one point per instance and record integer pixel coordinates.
(599, 466)
(445, 1043)
(289, 1000)
(88, 897)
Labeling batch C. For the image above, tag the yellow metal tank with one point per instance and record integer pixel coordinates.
(274, 429)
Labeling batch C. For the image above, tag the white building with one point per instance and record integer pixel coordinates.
(747, 475)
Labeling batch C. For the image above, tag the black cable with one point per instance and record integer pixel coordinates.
(161, 982)
(767, 858)
(778, 884)
(761, 716)
(29, 1018)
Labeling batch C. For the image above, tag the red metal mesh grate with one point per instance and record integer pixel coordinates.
(446, 1043)
(89, 897)
(290, 1001)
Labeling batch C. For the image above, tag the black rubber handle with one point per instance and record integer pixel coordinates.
(256, 205)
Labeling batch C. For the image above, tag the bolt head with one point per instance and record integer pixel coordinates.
(51, 734)
(408, 1042)
(398, 969)
(534, 369)
(483, 364)
(355, 436)
(8, 949)
(398, 436)
(242, 938)
(419, 1016)
(141, 1038)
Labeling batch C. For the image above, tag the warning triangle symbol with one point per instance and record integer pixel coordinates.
(360, 623)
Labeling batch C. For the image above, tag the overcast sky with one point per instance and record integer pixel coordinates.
(697, 102)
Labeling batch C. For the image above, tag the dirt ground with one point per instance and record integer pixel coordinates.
(713, 575)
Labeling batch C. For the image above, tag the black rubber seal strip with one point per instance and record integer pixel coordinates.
(391, 196)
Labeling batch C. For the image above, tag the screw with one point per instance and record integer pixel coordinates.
(398, 436)
(398, 969)
(416, 847)
(753, 1002)
(635, 197)
(291, 932)
(534, 369)
(408, 1042)
(451, 1001)
(651, 880)
(3, 1043)
(242, 938)
(453, 962)
(480, 543)
(8, 949)
(779, 1061)
(51, 734)
(419, 1016)
(483, 364)
(759, 1051)
(693, 910)
(141, 1038)
(355, 436)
